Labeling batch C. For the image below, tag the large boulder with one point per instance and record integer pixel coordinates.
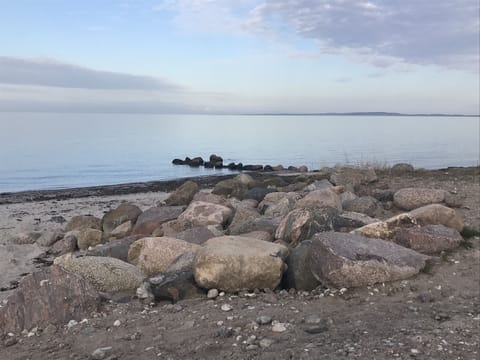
(49, 296)
(152, 218)
(387, 229)
(83, 222)
(429, 239)
(349, 260)
(122, 230)
(104, 273)
(302, 224)
(154, 255)
(320, 198)
(123, 213)
(437, 214)
(243, 214)
(261, 223)
(245, 179)
(412, 198)
(89, 238)
(367, 205)
(200, 213)
(351, 177)
(210, 198)
(230, 188)
(195, 235)
(299, 275)
(278, 203)
(233, 263)
(183, 195)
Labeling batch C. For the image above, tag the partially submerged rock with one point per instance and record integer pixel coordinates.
(233, 263)
(349, 260)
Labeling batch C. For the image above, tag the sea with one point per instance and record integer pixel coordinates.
(60, 150)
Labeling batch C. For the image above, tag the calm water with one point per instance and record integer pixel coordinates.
(42, 151)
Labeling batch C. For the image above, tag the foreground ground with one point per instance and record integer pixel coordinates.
(435, 315)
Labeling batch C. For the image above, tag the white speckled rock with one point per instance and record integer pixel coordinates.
(201, 213)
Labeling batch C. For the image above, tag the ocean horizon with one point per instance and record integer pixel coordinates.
(65, 150)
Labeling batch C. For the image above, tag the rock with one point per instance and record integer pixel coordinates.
(210, 198)
(233, 263)
(299, 275)
(383, 195)
(437, 214)
(195, 235)
(412, 198)
(243, 214)
(279, 327)
(50, 237)
(318, 185)
(320, 198)
(212, 294)
(123, 213)
(230, 188)
(259, 235)
(265, 343)
(50, 295)
(253, 167)
(25, 238)
(348, 221)
(258, 193)
(245, 179)
(200, 213)
(263, 320)
(349, 260)
(347, 196)
(401, 169)
(64, 246)
(454, 200)
(226, 307)
(301, 224)
(116, 248)
(101, 353)
(278, 204)
(183, 262)
(351, 177)
(154, 255)
(174, 286)
(195, 162)
(365, 205)
(387, 229)
(178, 162)
(183, 195)
(152, 218)
(104, 273)
(83, 222)
(429, 239)
(303, 168)
(122, 230)
(89, 238)
(262, 223)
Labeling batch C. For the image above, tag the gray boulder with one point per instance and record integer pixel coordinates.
(429, 239)
(83, 222)
(196, 235)
(104, 273)
(258, 193)
(320, 198)
(174, 286)
(278, 204)
(261, 223)
(348, 221)
(298, 275)
(348, 260)
(183, 195)
(233, 263)
(230, 188)
(200, 213)
(154, 217)
(351, 177)
(116, 248)
(366, 205)
(302, 224)
(123, 213)
(412, 198)
(50, 237)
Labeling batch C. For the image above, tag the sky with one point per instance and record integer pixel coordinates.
(240, 56)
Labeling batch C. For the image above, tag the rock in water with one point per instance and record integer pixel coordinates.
(105, 274)
(49, 296)
(233, 263)
(349, 260)
(155, 254)
(412, 198)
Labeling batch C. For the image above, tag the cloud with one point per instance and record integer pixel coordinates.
(51, 73)
(381, 32)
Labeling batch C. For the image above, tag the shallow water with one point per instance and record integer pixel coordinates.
(43, 151)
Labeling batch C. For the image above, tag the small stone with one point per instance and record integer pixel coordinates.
(100, 353)
(312, 320)
(252, 347)
(10, 341)
(50, 329)
(117, 323)
(226, 307)
(279, 327)
(251, 339)
(265, 343)
(212, 293)
(414, 351)
(72, 323)
(263, 320)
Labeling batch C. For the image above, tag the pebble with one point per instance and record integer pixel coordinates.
(212, 293)
(279, 327)
(263, 320)
(117, 323)
(10, 341)
(72, 323)
(252, 347)
(226, 307)
(100, 353)
(312, 320)
(265, 343)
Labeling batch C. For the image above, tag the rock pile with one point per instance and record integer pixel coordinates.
(243, 235)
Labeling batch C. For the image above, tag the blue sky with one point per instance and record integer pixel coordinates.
(239, 56)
